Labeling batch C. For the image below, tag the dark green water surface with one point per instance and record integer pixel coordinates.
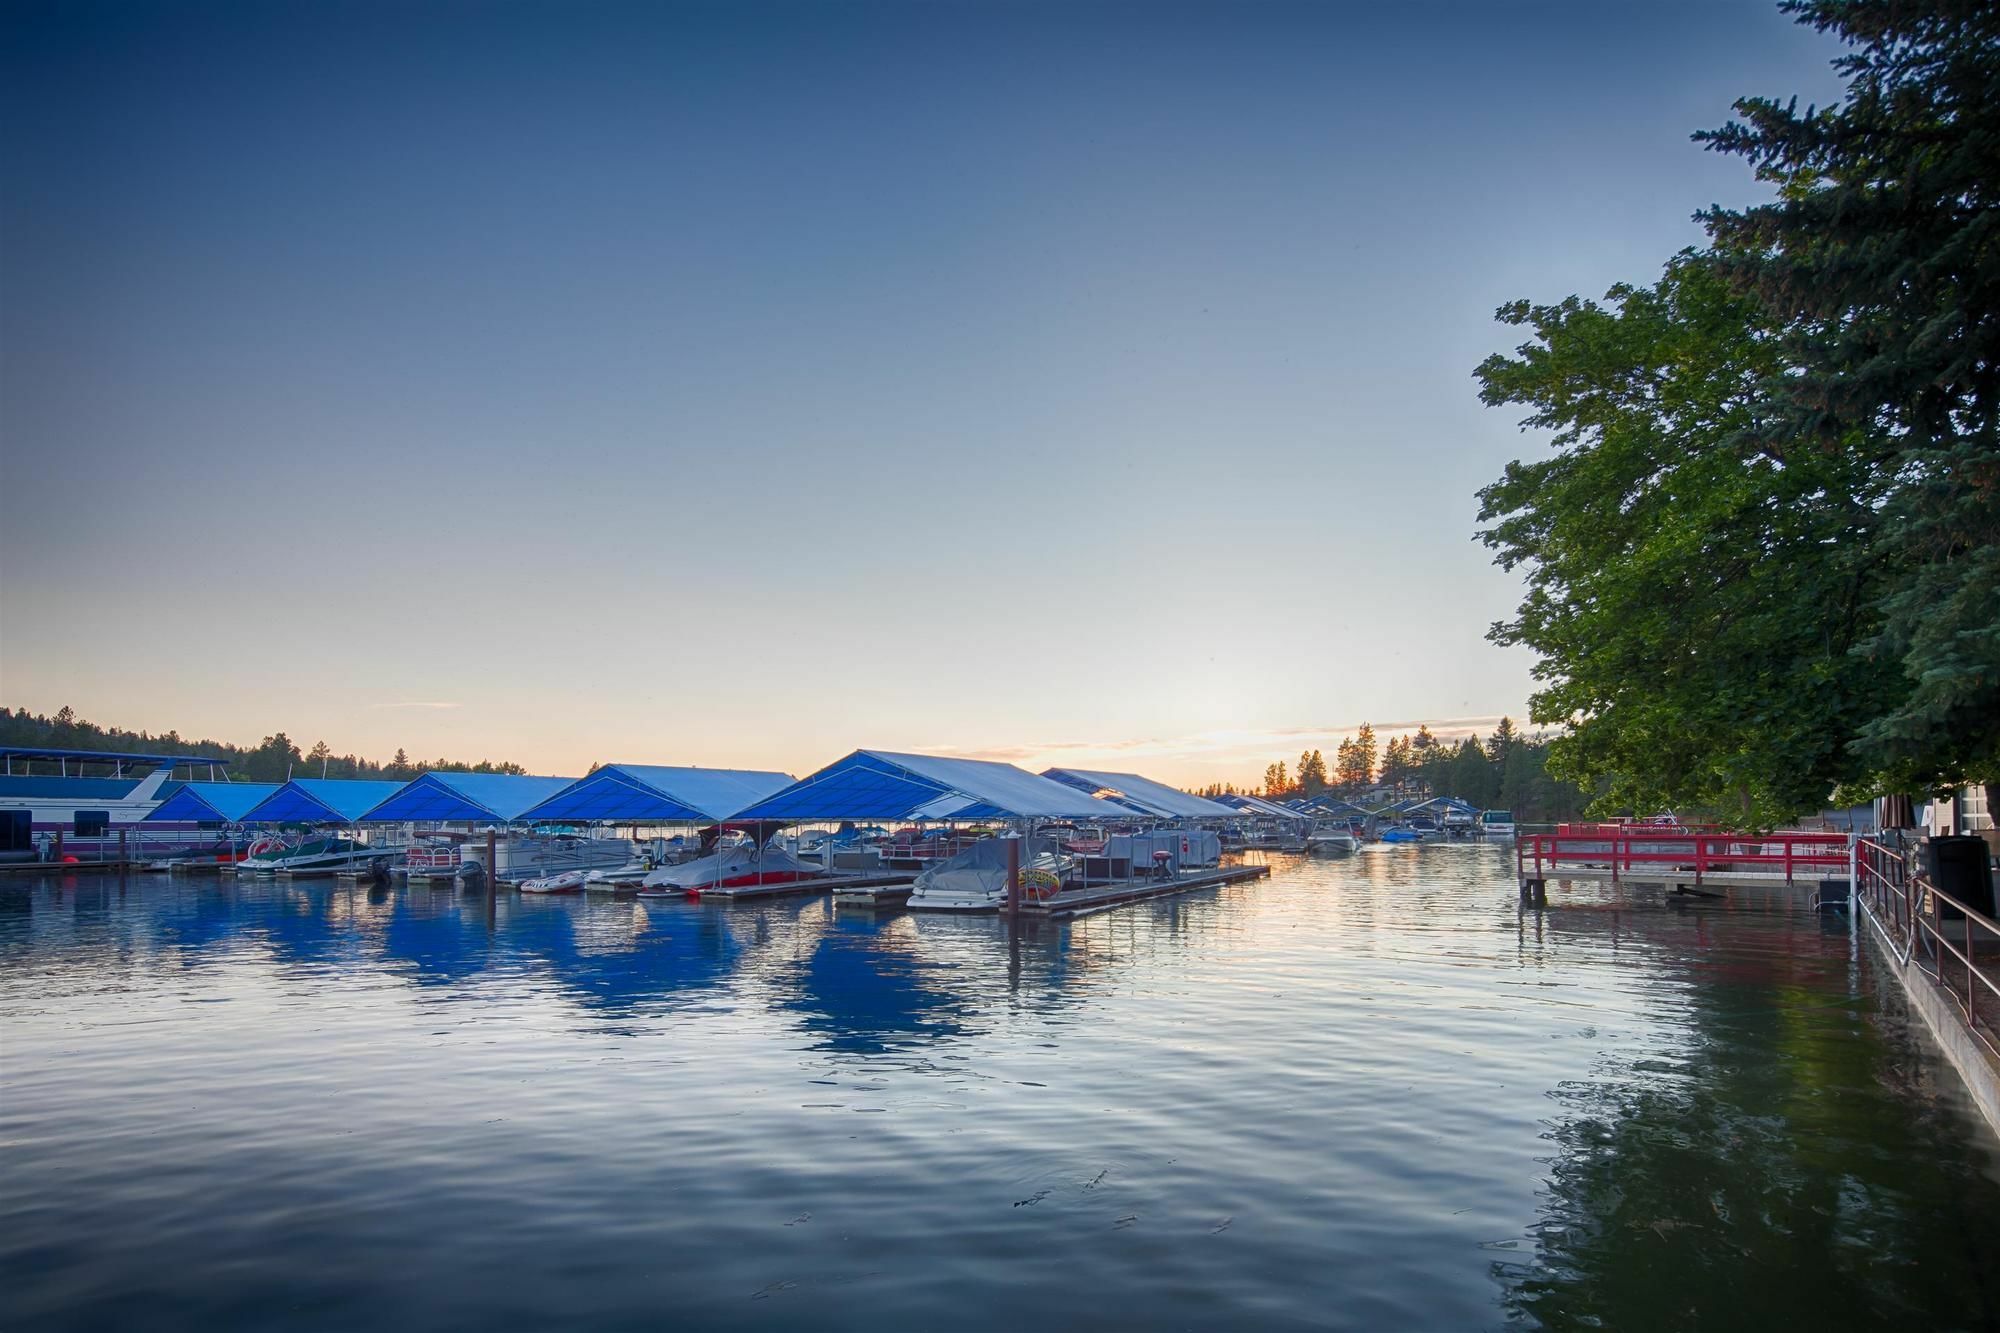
(1366, 1094)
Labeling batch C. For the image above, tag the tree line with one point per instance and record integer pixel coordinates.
(1505, 770)
(1763, 554)
(274, 759)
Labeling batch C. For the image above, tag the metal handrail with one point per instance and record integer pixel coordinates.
(1910, 910)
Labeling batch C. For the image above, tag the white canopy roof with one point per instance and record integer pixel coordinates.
(1142, 794)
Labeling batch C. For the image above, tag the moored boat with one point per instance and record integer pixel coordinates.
(730, 868)
(1332, 840)
(318, 856)
(567, 881)
(975, 880)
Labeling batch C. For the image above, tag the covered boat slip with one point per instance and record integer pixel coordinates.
(889, 786)
(330, 805)
(886, 786)
(465, 805)
(647, 800)
(201, 807)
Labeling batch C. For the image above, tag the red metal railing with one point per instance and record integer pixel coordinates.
(1662, 852)
(1939, 934)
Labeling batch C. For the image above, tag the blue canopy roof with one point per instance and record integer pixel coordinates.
(319, 801)
(211, 802)
(882, 784)
(473, 798)
(646, 793)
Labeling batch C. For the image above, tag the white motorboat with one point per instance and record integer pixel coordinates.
(524, 856)
(567, 881)
(1332, 840)
(730, 868)
(1497, 825)
(318, 856)
(975, 880)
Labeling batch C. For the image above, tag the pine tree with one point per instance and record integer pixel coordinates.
(1878, 255)
(1358, 769)
(1502, 741)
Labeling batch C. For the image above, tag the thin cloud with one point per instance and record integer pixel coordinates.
(420, 703)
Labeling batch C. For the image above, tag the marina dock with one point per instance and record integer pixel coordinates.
(1101, 897)
(1680, 859)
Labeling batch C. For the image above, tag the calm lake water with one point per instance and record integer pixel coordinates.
(1365, 1094)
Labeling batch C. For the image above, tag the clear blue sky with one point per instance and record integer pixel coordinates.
(742, 384)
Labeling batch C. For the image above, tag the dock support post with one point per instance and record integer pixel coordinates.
(492, 875)
(122, 858)
(57, 858)
(1013, 877)
(1535, 892)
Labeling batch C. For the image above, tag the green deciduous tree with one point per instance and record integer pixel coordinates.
(1694, 592)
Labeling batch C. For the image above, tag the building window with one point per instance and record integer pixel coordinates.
(1975, 815)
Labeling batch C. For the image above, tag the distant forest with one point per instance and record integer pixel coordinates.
(275, 759)
(1505, 771)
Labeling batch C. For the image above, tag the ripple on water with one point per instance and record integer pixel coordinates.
(1368, 1093)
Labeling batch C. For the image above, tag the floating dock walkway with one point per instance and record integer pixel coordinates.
(1680, 859)
(1101, 897)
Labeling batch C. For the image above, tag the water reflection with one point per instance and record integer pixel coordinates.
(1371, 1093)
(859, 981)
(1746, 1171)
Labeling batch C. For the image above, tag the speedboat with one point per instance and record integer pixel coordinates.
(1401, 835)
(975, 880)
(729, 868)
(568, 881)
(1332, 839)
(325, 856)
